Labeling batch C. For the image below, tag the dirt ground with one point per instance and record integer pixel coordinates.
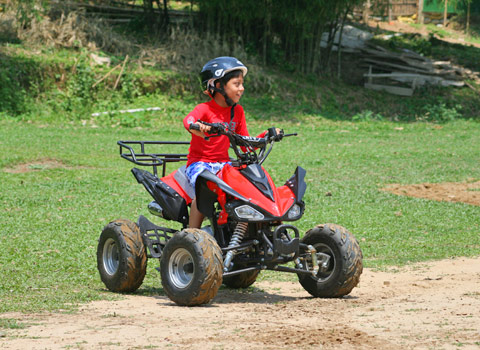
(458, 37)
(466, 192)
(424, 306)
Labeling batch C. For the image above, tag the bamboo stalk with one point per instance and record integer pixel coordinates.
(468, 18)
(445, 10)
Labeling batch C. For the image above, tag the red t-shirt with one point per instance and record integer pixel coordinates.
(216, 148)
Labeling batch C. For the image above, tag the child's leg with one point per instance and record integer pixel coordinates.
(192, 172)
(196, 217)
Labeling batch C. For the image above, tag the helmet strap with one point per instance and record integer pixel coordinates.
(222, 92)
(232, 115)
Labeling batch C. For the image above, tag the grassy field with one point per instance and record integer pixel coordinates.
(352, 142)
(51, 217)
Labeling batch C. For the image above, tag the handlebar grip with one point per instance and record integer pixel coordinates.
(215, 128)
(194, 127)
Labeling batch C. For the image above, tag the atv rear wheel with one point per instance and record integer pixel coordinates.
(121, 256)
(342, 272)
(242, 280)
(191, 267)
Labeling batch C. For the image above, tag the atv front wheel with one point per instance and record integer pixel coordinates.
(342, 272)
(191, 267)
(121, 256)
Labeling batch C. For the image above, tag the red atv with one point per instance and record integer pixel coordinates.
(249, 228)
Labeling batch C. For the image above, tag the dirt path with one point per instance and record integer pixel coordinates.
(425, 306)
(456, 37)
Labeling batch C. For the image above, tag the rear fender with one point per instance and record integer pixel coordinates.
(173, 204)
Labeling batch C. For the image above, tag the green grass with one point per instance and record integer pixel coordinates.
(51, 218)
(54, 85)
(11, 323)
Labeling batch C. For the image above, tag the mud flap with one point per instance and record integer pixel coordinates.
(154, 237)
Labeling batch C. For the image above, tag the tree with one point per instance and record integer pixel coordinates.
(156, 20)
(420, 12)
(288, 31)
(467, 4)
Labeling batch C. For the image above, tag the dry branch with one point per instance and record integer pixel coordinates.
(106, 75)
(121, 72)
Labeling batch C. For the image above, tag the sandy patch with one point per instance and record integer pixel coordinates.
(466, 192)
(37, 165)
(424, 306)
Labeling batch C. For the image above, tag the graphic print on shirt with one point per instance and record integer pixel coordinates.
(190, 119)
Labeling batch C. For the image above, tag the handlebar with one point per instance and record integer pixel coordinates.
(215, 128)
(248, 144)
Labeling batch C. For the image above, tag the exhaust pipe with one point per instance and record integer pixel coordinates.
(155, 209)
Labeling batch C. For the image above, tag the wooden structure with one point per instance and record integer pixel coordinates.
(400, 73)
(390, 9)
(403, 7)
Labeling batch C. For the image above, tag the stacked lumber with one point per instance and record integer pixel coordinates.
(398, 72)
(353, 39)
(401, 72)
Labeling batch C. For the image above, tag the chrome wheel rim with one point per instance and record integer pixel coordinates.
(110, 256)
(325, 273)
(181, 268)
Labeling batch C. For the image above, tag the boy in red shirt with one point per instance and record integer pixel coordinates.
(222, 78)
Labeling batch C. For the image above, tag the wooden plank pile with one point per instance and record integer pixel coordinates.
(353, 39)
(401, 72)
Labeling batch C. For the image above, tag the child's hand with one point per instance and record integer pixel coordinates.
(275, 133)
(199, 129)
(204, 128)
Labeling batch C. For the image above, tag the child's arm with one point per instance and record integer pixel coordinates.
(191, 119)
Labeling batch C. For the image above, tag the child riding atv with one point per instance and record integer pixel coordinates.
(223, 81)
(250, 218)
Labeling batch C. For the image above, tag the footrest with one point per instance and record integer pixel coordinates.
(154, 237)
(283, 243)
(286, 248)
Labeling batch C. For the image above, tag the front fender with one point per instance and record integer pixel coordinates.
(206, 197)
(297, 183)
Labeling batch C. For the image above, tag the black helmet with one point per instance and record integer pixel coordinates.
(217, 68)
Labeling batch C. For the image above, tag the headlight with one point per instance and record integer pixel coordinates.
(247, 212)
(294, 212)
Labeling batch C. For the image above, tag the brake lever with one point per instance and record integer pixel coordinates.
(209, 137)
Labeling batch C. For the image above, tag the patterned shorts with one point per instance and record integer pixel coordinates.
(196, 168)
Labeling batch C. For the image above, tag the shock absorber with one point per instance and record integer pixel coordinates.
(237, 237)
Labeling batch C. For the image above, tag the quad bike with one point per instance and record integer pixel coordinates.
(249, 228)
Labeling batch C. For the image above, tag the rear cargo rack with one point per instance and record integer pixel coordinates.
(134, 151)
